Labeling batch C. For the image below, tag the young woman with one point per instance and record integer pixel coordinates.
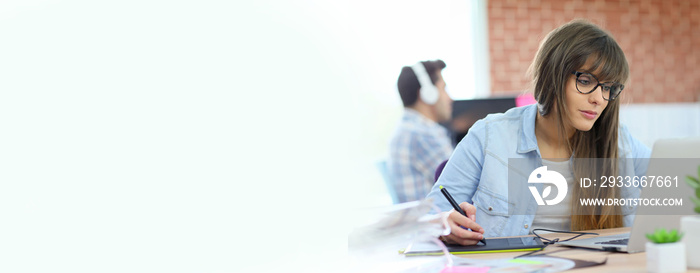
(578, 74)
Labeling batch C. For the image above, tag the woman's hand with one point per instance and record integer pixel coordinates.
(459, 223)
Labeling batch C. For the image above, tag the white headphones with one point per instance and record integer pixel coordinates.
(428, 92)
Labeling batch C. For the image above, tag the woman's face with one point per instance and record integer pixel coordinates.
(584, 109)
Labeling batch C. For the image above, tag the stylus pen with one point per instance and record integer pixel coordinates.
(456, 206)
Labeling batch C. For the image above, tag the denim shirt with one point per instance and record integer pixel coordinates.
(477, 171)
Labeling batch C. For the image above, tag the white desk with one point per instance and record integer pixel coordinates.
(617, 262)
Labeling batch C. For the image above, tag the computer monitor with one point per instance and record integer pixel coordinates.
(466, 112)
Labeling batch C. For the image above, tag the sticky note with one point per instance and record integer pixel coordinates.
(523, 261)
(525, 99)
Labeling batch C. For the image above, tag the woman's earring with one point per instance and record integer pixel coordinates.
(541, 109)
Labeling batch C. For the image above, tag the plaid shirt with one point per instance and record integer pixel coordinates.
(418, 146)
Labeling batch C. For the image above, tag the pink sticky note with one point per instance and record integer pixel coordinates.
(525, 99)
(465, 269)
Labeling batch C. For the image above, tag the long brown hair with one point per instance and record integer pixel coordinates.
(563, 51)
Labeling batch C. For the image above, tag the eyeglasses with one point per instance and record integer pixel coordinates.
(587, 83)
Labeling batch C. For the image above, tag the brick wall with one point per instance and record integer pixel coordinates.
(661, 39)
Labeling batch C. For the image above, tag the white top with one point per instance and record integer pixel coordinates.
(557, 217)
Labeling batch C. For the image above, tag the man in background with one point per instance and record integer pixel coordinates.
(420, 144)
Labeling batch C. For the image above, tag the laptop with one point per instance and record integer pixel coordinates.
(647, 218)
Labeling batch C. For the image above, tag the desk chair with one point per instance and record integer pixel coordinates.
(439, 169)
(384, 170)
